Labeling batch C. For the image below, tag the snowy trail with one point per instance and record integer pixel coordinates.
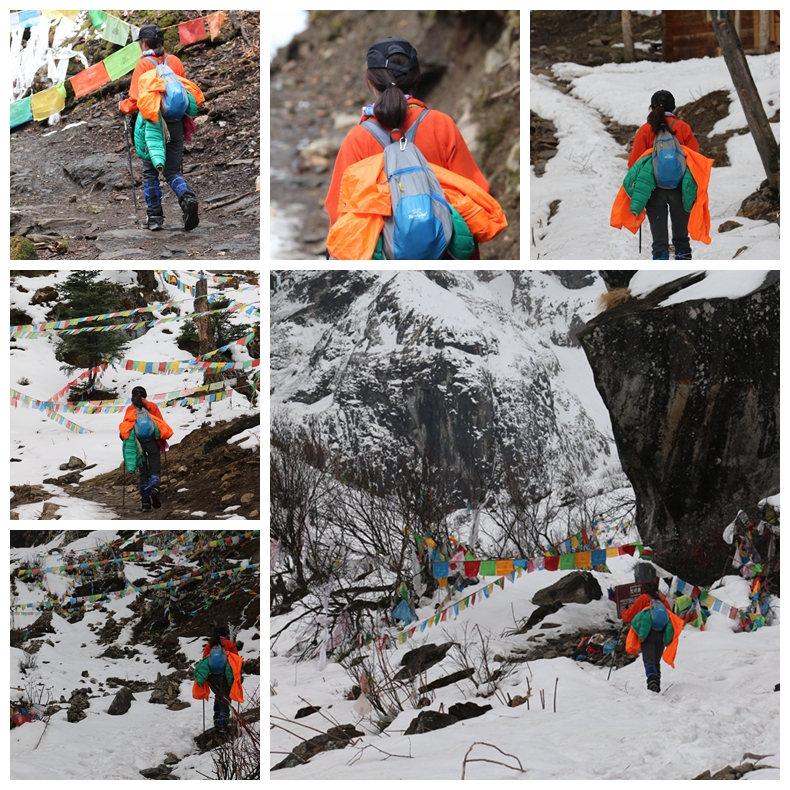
(590, 165)
(717, 704)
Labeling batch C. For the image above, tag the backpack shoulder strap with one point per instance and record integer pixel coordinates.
(167, 57)
(411, 132)
(153, 60)
(378, 131)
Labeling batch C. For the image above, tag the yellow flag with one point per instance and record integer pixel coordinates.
(48, 102)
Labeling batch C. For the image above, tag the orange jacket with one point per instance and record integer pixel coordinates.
(633, 643)
(645, 137)
(437, 138)
(365, 201)
(130, 418)
(128, 106)
(699, 219)
(235, 661)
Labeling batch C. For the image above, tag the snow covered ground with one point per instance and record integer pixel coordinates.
(717, 704)
(41, 445)
(590, 164)
(103, 746)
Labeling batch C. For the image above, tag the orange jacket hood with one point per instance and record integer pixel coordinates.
(699, 219)
(365, 201)
(130, 418)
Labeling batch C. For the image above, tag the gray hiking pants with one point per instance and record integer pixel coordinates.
(656, 209)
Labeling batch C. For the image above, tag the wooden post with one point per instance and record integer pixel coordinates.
(750, 99)
(765, 36)
(628, 37)
(205, 335)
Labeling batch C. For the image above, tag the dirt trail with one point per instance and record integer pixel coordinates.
(71, 187)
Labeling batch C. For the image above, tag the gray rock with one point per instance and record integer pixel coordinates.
(576, 587)
(428, 721)
(121, 703)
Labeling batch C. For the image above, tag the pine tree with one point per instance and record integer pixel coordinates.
(83, 295)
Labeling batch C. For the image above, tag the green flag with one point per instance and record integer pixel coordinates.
(20, 111)
(123, 61)
(97, 18)
(115, 30)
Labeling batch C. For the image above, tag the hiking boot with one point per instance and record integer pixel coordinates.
(153, 492)
(654, 683)
(683, 254)
(664, 256)
(154, 223)
(189, 208)
(145, 506)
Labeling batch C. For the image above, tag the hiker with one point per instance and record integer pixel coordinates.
(145, 433)
(655, 630)
(393, 72)
(667, 174)
(159, 140)
(219, 671)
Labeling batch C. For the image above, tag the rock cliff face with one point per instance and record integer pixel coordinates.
(693, 392)
(460, 368)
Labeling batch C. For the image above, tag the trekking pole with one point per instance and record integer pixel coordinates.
(640, 239)
(131, 170)
(204, 717)
(614, 651)
(123, 490)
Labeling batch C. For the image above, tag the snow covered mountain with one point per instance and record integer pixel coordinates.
(106, 627)
(44, 438)
(479, 371)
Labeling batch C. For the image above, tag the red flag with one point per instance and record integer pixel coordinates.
(190, 32)
(89, 80)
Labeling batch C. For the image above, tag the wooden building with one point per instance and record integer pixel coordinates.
(689, 34)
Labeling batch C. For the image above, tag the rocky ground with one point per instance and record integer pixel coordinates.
(470, 65)
(71, 193)
(211, 474)
(587, 37)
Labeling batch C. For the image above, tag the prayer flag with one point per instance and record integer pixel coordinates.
(567, 562)
(48, 102)
(503, 567)
(115, 30)
(551, 563)
(488, 568)
(123, 61)
(582, 559)
(89, 80)
(190, 32)
(21, 112)
(97, 18)
(598, 557)
(215, 22)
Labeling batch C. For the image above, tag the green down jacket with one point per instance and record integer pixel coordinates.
(640, 182)
(643, 621)
(149, 137)
(132, 453)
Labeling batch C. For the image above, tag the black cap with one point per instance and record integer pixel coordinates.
(139, 391)
(379, 54)
(665, 98)
(150, 32)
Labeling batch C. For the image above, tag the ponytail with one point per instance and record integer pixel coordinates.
(390, 107)
(658, 119)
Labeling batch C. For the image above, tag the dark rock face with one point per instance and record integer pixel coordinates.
(693, 392)
(576, 587)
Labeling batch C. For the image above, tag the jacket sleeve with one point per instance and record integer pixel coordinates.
(642, 141)
(686, 136)
(201, 671)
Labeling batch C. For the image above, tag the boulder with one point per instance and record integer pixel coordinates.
(121, 702)
(468, 710)
(334, 738)
(416, 661)
(576, 587)
(42, 295)
(430, 720)
(692, 389)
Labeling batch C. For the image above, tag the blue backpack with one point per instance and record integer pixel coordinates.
(174, 100)
(421, 223)
(216, 660)
(669, 161)
(658, 615)
(145, 426)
